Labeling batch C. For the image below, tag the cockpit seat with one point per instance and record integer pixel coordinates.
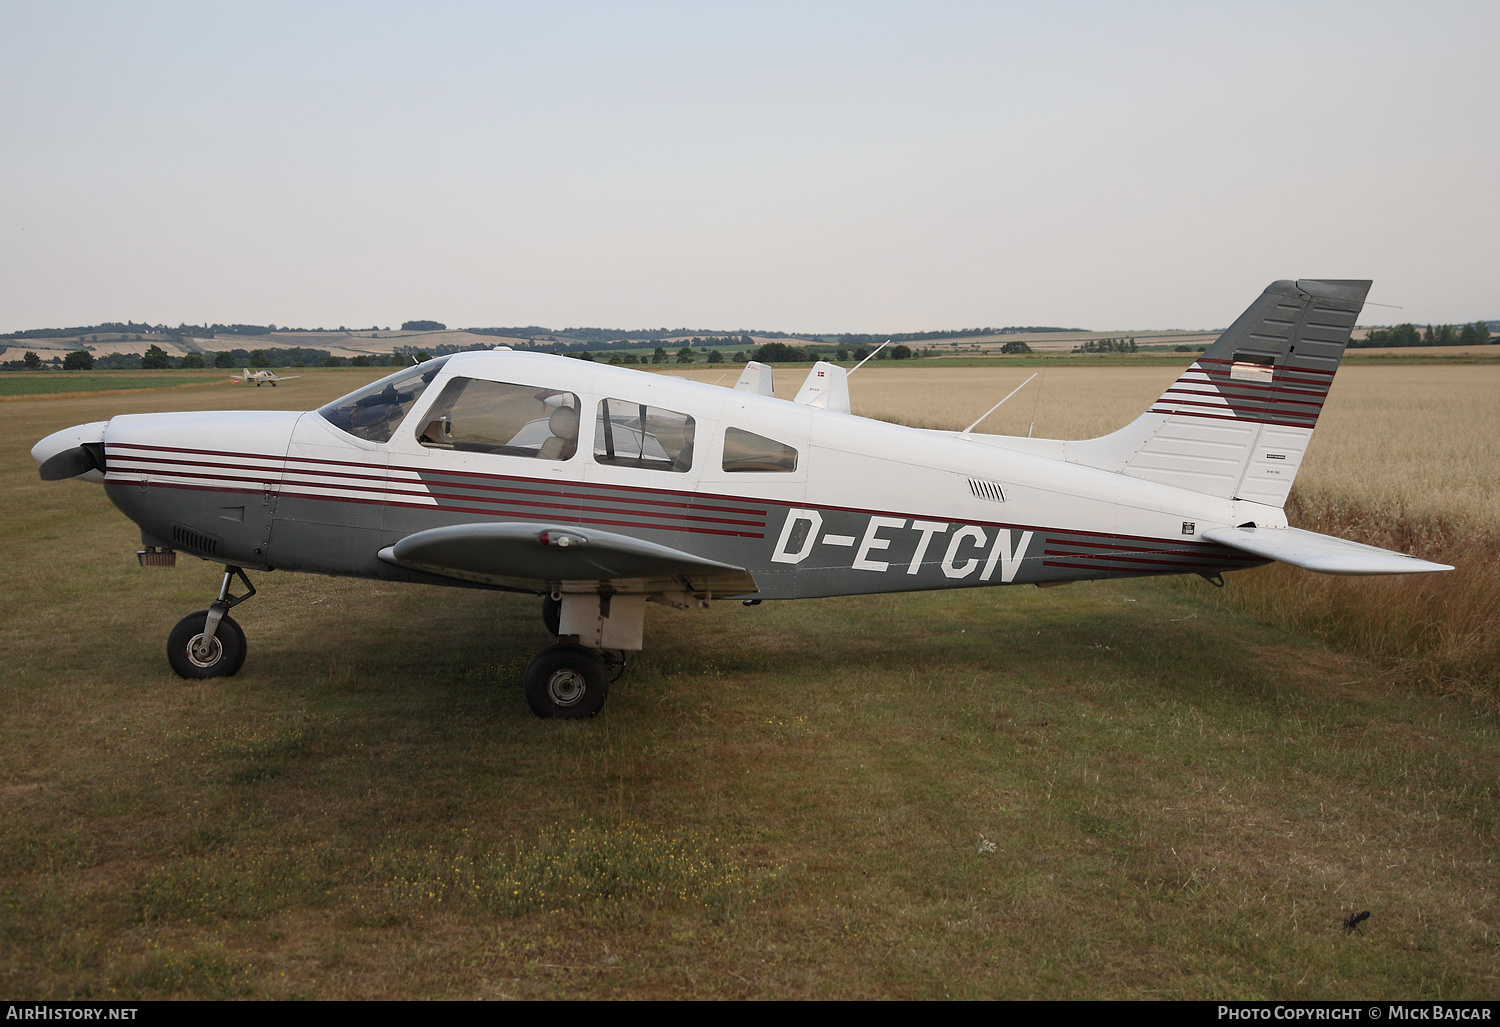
(563, 443)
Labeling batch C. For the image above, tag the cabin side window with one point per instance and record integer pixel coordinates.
(636, 435)
(372, 413)
(745, 451)
(477, 416)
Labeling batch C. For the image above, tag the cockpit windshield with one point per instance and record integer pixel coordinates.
(373, 412)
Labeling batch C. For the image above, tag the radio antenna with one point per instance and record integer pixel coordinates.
(871, 357)
(992, 409)
(1038, 404)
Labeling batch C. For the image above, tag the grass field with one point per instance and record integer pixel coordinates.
(1134, 789)
(16, 384)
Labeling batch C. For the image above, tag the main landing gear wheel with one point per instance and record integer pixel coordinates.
(226, 653)
(566, 681)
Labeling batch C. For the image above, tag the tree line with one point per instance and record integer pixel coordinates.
(157, 359)
(851, 339)
(767, 353)
(1106, 346)
(780, 353)
(1476, 334)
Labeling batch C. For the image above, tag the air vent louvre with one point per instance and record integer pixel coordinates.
(195, 541)
(987, 490)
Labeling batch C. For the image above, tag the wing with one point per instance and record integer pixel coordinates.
(1322, 553)
(544, 557)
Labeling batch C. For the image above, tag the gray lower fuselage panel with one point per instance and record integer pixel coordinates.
(793, 551)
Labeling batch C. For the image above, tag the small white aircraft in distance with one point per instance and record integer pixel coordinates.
(259, 378)
(603, 488)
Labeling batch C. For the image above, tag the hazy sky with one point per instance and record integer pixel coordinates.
(801, 166)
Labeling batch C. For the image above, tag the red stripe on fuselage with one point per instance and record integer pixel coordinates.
(1201, 549)
(574, 518)
(746, 507)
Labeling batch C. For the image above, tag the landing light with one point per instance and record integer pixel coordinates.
(561, 540)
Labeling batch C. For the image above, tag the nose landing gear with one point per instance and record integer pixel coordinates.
(209, 643)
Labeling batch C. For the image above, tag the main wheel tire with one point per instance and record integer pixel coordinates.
(226, 655)
(566, 681)
(551, 614)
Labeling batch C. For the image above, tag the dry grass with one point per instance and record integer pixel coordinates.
(1101, 791)
(1405, 458)
(1439, 630)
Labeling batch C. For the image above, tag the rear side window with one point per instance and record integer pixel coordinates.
(637, 435)
(477, 416)
(747, 451)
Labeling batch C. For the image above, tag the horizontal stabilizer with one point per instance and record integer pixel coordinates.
(1322, 553)
(539, 557)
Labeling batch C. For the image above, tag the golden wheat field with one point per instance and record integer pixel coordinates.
(1400, 441)
(1405, 457)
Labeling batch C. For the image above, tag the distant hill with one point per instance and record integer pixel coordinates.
(121, 343)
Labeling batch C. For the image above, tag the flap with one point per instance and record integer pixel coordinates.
(537, 556)
(1322, 553)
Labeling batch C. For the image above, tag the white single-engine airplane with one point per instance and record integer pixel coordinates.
(602, 488)
(259, 378)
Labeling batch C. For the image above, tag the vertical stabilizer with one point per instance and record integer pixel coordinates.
(1238, 421)
(826, 387)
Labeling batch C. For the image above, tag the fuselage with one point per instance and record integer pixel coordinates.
(844, 505)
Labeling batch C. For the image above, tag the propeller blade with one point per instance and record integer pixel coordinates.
(69, 464)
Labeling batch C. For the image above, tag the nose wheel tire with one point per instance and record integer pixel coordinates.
(566, 681)
(225, 656)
